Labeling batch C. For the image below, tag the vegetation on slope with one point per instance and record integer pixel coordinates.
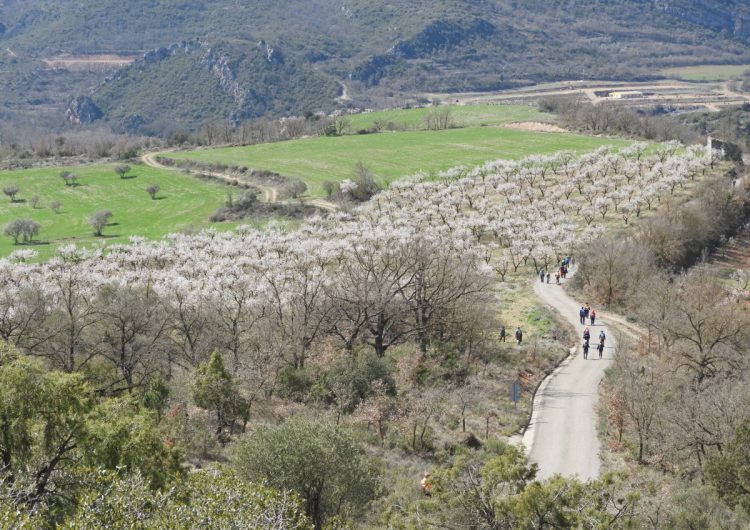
(379, 50)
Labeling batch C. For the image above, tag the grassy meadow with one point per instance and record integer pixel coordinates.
(183, 203)
(392, 155)
(706, 72)
(462, 116)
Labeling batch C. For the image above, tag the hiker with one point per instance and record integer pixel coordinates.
(548, 278)
(582, 314)
(519, 335)
(562, 271)
(600, 348)
(541, 275)
(586, 334)
(586, 310)
(592, 316)
(586, 349)
(426, 484)
(502, 333)
(602, 337)
(557, 278)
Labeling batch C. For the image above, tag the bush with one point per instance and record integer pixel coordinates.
(206, 499)
(294, 384)
(350, 380)
(320, 462)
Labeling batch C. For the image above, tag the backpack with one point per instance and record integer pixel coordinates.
(602, 336)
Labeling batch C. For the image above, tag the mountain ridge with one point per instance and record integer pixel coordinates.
(383, 51)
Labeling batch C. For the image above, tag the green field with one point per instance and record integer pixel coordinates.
(706, 72)
(462, 116)
(182, 203)
(392, 155)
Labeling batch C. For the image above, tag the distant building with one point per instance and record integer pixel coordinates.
(626, 94)
(712, 144)
(725, 150)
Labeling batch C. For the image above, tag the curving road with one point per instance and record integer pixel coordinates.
(562, 436)
(270, 194)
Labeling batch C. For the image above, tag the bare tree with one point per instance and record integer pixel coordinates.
(11, 192)
(152, 190)
(709, 329)
(439, 119)
(130, 328)
(21, 228)
(99, 220)
(122, 170)
(638, 389)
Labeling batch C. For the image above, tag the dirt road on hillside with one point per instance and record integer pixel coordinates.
(270, 194)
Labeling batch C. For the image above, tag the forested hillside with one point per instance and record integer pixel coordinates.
(258, 58)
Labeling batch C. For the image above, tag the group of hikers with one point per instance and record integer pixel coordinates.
(562, 272)
(518, 334)
(585, 312)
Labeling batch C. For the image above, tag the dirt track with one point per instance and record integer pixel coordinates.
(270, 194)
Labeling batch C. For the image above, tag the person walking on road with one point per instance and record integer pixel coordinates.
(582, 315)
(541, 275)
(585, 349)
(519, 335)
(586, 310)
(548, 277)
(586, 334)
(557, 278)
(602, 338)
(592, 316)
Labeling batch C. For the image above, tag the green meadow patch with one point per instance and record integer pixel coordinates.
(393, 155)
(461, 116)
(706, 72)
(182, 203)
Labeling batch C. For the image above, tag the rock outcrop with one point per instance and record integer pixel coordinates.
(440, 36)
(83, 111)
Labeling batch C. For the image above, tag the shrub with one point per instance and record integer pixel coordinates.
(350, 380)
(319, 461)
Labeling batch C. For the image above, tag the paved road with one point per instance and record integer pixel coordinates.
(562, 436)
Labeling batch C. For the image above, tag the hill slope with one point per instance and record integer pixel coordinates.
(378, 49)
